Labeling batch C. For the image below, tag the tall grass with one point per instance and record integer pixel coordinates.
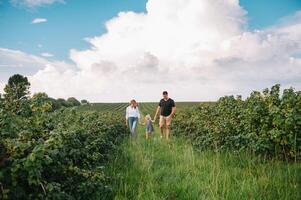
(160, 169)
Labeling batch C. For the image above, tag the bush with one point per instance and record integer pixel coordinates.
(48, 151)
(73, 101)
(265, 123)
(59, 155)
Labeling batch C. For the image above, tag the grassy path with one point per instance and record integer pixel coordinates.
(160, 169)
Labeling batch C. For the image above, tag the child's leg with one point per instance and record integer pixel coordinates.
(148, 134)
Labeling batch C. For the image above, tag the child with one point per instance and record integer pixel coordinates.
(149, 126)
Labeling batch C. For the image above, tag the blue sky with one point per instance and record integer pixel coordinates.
(263, 13)
(69, 23)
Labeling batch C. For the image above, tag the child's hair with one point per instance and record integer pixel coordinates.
(148, 117)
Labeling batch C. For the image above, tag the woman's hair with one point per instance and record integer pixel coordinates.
(134, 102)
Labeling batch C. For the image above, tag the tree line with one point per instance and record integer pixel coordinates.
(16, 96)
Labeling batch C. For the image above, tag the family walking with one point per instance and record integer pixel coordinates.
(166, 108)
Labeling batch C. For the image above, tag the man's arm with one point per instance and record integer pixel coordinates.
(157, 111)
(173, 111)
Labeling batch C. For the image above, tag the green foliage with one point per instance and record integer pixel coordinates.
(73, 101)
(41, 99)
(145, 107)
(84, 102)
(174, 169)
(49, 151)
(265, 123)
(17, 87)
(104, 107)
(52, 153)
(41, 102)
(62, 103)
(60, 155)
(16, 95)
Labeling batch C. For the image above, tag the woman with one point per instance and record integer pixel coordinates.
(132, 116)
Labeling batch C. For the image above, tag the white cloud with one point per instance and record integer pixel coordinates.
(14, 61)
(38, 20)
(197, 50)
(18, 58)
(34, 3)
(46, 54)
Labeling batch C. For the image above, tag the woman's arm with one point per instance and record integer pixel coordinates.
(138, 113)
(139, 116)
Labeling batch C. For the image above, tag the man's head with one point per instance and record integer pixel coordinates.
(165, 95)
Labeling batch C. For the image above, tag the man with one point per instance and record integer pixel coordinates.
(167, 109)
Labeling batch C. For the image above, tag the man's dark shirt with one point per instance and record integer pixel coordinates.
(166, 106)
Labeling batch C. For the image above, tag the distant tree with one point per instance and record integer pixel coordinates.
(40, 101)
(17, 88)
(40, 96)
(84, 102)
(16, 94)
(73, 101)
(55, 104)
(62, 102)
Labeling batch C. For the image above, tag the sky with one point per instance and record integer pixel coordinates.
(116, 50)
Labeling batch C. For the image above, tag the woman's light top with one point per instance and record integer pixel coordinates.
(132, 112)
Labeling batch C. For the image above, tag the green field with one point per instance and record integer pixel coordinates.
(145, 107)
(160, 169)
(228, 149)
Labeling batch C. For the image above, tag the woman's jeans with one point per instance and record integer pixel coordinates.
(133, 121)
